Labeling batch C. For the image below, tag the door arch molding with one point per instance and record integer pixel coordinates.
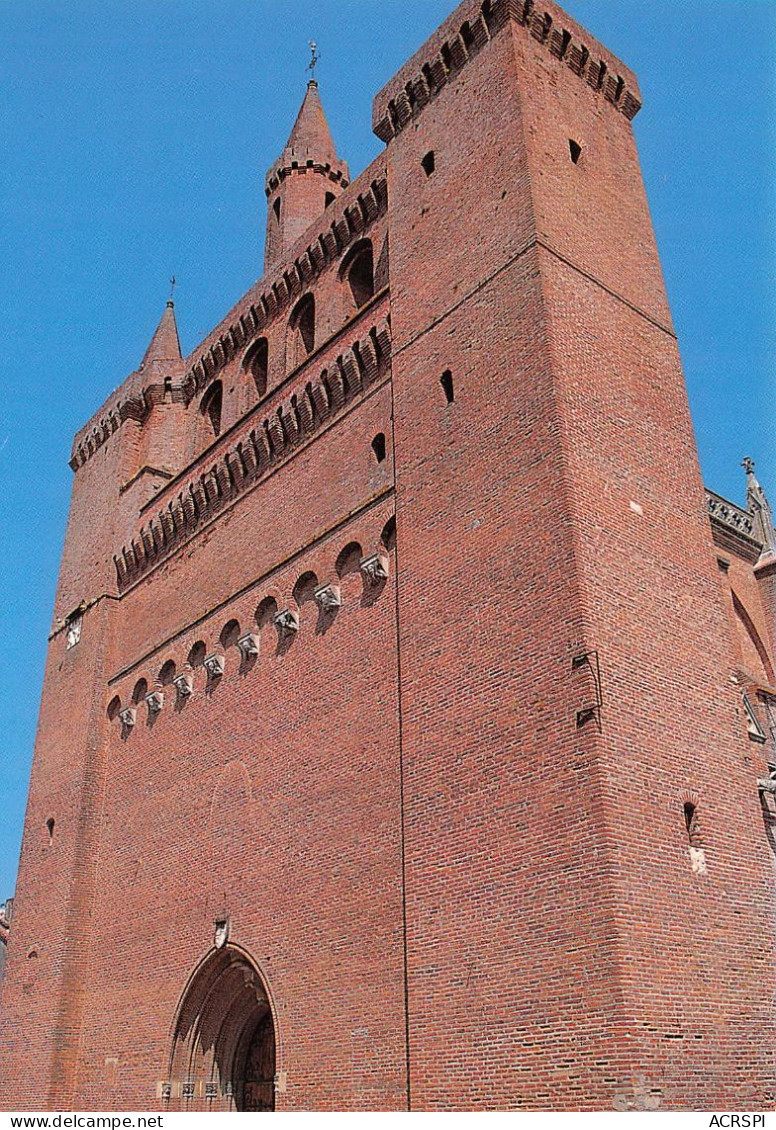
(223, 1040)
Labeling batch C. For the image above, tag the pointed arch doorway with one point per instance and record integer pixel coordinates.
(223, 1047)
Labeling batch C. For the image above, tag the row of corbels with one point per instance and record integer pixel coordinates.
(328, 597)
(395, 108)
(273, 437)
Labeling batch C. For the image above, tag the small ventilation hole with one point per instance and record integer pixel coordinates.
(446, 381)
(429, 163)
(378, 446)
(575, 149)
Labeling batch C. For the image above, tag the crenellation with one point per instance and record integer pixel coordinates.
(393, 111)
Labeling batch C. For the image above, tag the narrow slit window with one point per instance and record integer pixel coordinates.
(429, 163)
(446, 381)
(378, 447)
(50, 828)
(691, 824)
(329, 199)
(276, 209)
(575, 149)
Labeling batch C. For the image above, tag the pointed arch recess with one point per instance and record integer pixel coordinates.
(754, 636)
(223, 1043)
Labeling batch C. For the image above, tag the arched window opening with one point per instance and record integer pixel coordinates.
(230, 633)
(446, 381)
(114, 706)
(167, 673)
(210, 406)
(378, 447)
(266, 611)
(691, 823)
(358, 267)
(388, 536)
(304, 589)
(754, 654)
(303, 328)
(197, 654)
(140, 691)
(691, 827)
(349, 559)
(256, 362)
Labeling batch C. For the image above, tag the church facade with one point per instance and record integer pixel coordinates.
(407, 733)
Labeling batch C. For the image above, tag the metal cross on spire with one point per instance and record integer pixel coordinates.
(314, 59)
(172, 289)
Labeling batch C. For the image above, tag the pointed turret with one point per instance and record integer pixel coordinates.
(311, 134)
(158, 449)
(306, 178)
(165, 344)
(758, 506)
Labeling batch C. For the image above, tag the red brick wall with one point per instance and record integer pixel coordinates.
(569, 451)
(456, 895)
(766, 583)
(273, 797)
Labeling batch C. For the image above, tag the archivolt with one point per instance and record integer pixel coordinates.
(222, 1009)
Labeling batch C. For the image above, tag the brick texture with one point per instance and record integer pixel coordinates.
(434, 839)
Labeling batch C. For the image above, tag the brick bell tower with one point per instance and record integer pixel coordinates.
(485, 832)
(570, 739)
(306, 178)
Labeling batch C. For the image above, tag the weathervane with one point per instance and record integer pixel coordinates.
(314, 59)
(172, 288)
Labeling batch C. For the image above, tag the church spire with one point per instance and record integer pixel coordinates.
(306, 178)
(165, 344)
(758, 506)
(311, 135)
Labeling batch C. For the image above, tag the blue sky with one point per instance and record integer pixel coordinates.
(135, 137)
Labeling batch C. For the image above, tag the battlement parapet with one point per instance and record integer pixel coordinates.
(332, 242)
(733, 527)
(730, 515)
(293, 163)
(469, 29)
(295, 420)
(133, 406)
